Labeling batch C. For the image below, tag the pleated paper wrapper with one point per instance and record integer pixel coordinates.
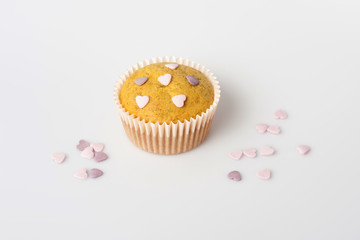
(165, 138)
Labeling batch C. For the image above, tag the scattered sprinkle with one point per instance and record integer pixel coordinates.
(274, 130)
(100, 156)
(82, 145)
(237, 154)
(234, 175)
(267, 151)
(303, 149)
(261, 128)
(280, 114)
(95, 173)
(250, 152)
(58, 157)
(98, 147)
(81, 174)
(264, 174)
(88, 153)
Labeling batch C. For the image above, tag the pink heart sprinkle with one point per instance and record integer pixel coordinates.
(267, 151)
(141, 101)
(165, 79)
(172, 66)
(58, 157)
(280, 114)
(82, 145)
(95, 173)
(100, 156)
(303, 149)
(98, 147)
(261, 128)
(264, 174)
(274, 130)
(88, 153)
(179, 100)
(250, 152)
(237, 154)
(81, 174)
(234, 175)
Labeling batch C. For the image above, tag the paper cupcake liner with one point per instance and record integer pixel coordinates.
(166, 138)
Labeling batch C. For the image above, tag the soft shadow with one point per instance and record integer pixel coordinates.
(230, 111)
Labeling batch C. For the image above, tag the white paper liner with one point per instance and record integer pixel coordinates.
(166, 138)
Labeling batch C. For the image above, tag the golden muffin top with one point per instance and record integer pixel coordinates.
(165, 92)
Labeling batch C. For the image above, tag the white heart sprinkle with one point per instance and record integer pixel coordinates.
(88, 153)
(165, 79)
(98, 147)
(81, 174)
(237, 154)
(267, 151)
(303, 149)
(172, 66)
(58, 157)
(179, 100)
(274, 129)
(264, 174)
(251, 152)
(141, 101)
(261, 128)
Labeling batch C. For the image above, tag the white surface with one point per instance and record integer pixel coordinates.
(59, 62)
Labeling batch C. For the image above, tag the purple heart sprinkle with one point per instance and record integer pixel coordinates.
(100, 156)
(95, 173)
(192, 80)
(141, 81)
(82, 145)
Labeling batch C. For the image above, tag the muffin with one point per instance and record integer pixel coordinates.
(167, 104)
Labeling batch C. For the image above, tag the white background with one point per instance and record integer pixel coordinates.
(59, 62)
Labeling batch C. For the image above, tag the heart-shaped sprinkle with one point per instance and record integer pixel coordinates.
(261, 128)
(100, 156)
(172, 66)
(141, 101)
(264, 174)
(267, 151)
(280, 114)
(234, 175)
(141, 81)
(165, 79)
(82, 145)
(81, 174)
(303, 149)
(98, 147)
(192, 80)
(95, 173)
(88, 153)
(58, 157)
(250, 152)
(179, 100)
(274, 129)
(237, 154)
